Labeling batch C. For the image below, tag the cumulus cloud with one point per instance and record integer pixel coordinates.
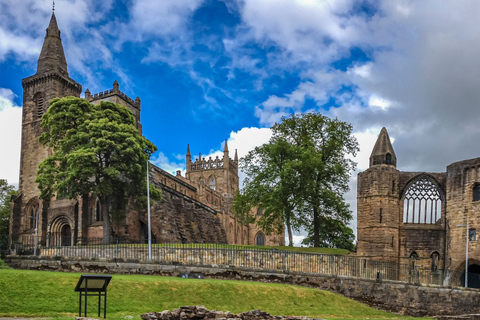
(10, 131)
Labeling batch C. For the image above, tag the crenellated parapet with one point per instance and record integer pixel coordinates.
(116, 96)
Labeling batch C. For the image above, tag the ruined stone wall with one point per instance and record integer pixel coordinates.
(382, 233)
(403, 298)
(463, 176)
(200, 313)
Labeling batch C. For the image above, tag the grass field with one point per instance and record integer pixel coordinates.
(51, 294)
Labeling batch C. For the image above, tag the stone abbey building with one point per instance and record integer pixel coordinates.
(194, 208)
(419, 217)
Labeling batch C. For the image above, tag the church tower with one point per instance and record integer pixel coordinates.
(378, 204)
(50, 81)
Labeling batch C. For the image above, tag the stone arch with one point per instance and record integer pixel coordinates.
(435, 258)
(260, 239)
(60, 231)
(473, 274)
(423, 200)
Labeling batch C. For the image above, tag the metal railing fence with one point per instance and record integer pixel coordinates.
(200, 254)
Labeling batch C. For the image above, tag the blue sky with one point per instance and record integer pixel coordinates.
(209, 70)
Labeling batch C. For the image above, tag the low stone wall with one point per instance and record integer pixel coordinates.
(202, 313)
(393, 296)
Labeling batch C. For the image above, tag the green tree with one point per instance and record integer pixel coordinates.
(336, 235)
(270, 183)
(96, 150)
(302, 173)
(6, 193)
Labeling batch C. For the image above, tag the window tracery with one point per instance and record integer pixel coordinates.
(422, 202)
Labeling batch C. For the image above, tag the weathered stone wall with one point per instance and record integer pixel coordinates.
(407, 299)
(200, 313)
(463, 176)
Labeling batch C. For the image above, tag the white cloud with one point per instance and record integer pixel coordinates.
(10, 131)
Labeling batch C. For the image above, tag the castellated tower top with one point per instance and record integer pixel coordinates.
(52, 56)
(383, 153)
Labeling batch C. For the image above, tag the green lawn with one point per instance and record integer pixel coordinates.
(50, 294)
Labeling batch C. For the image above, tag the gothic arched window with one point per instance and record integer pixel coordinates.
(260, 239)
(476, 192)
(39, 105)
(212, 183)
(422, 202)
(33, 216)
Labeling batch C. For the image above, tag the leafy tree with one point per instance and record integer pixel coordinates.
(302, 173)
(270, 184)
(6, 193)
(336, 235)
(96, 150)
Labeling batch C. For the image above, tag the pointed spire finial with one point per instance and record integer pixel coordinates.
(225, 149)
(236, 156)
(188, 150)
(53, 6)
(383, 152)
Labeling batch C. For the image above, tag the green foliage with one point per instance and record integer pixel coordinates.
(6, 193)
(300, 176)
(51, 294)
(3, 265)
(96, 150)
(336, 235)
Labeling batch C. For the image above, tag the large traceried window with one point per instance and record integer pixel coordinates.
(422, 202)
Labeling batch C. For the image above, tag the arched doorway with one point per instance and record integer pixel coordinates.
(66, 235)
(473, 276)
(260, 239)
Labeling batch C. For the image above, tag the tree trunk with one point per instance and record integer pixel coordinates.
(316, 227)
(107, 225)
(289, 232)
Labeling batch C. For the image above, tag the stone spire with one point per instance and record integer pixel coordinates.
(52, 57)
(236, 156)
(383, 152)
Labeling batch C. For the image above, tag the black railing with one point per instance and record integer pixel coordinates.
(200, 254)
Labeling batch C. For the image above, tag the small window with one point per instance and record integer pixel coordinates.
(414, 256)
(476, 192)
(388, 158)
(212, 183)
(472, 234)
(381, 215)
(260, 211)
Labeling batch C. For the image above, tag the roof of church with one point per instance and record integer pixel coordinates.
(52, 56)
(382, 147)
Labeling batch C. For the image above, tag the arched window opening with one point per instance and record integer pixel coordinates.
(212, 183)
(413, 258)
(260, 211)
(33, 216)
(260, 239)
(388, 158)
(39, 105)
(476, 192)
(422, 202)
(435, 258)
